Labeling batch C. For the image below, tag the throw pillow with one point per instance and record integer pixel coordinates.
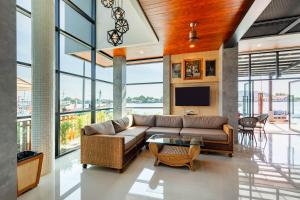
(105, 128)
(121, 124)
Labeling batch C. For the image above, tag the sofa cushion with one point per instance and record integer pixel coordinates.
(135, 131)
(122, 124)
(105, 128)
(206, 122)
(169, 121)
(129, 141)
(144, 120)
(207, 134)
(163, 130)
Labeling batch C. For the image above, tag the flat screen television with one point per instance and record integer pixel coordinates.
(192, 96)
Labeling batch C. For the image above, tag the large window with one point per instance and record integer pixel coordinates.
(144, 89)
(84, 89)
(104, 93)
(23, 16)
(23, 37)
(265, 76)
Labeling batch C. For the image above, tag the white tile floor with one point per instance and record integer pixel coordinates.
(270, 170)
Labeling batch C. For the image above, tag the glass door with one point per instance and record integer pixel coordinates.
(245, 98)
(294, 105)
(260, 98)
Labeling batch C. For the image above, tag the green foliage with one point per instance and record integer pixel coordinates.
(64, 127)
(72, 100)
(143, 99)
(104, 116)
(79, 124)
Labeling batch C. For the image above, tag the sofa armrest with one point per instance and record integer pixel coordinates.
(229, 131)
(102, 150)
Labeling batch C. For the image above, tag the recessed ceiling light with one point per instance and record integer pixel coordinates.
(258, 45)
(141, 52)
(192, 45)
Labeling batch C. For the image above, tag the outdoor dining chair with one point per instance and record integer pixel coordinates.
(247, 126)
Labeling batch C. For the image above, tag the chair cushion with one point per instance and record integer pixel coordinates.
(135, 131)
(122, 124)
(144, 120)
(129, 141)
(163, 130)
(207, 134)
(105, 128)
(205, 122)
(169, 121)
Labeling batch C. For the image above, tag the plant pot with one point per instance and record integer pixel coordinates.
(28, 170)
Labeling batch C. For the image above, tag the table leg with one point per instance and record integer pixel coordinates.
(154, 150)
(194, 152)
(192, 165)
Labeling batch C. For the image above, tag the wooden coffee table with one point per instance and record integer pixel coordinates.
(175, 150)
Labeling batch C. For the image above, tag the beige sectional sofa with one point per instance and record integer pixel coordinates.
(114, 143)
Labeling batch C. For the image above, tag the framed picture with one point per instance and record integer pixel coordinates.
(192, 69)
(176, 70)
(210, 68)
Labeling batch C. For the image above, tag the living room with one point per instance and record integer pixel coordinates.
(146, 99)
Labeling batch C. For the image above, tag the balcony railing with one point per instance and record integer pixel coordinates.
(70, 125)
(24, 134)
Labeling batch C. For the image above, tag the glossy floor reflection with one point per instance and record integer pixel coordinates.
(269, 170)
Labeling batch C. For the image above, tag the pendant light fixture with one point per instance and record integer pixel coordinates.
(115, 36)
(117, 13)
(122, 25)
(107, 3)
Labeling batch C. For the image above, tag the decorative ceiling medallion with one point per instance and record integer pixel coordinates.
(107, 3)
(114, 37)
(122, 25)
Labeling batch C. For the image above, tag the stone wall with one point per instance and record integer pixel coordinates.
(8, 114)
(229, 85)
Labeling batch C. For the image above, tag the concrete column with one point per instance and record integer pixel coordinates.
(119, 70)
(43, 81)
(8, 108)
(229, 83)
(166, 85)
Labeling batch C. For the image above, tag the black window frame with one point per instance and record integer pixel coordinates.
(26, 13)
(274, 76)
(91, 18)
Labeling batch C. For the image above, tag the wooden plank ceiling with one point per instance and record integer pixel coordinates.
(217, 20)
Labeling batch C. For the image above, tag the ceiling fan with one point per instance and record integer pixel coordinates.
(193, 37)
